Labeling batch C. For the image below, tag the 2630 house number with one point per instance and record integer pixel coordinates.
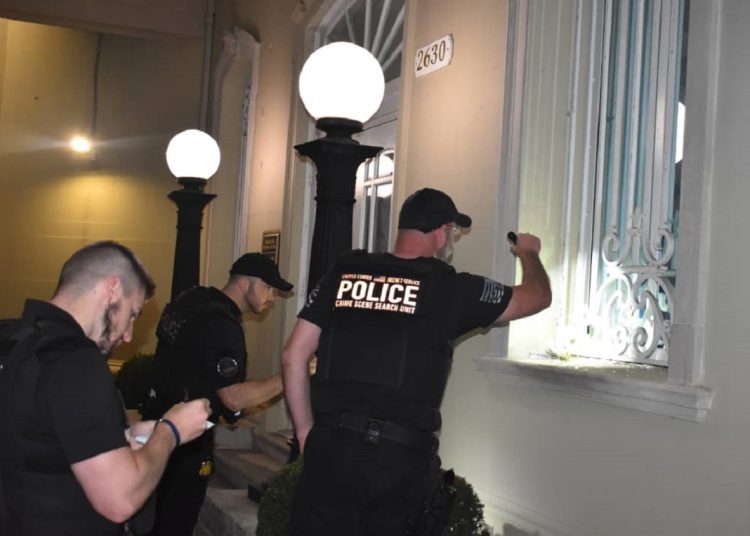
(434, 56)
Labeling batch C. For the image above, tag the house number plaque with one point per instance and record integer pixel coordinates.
(434, 56)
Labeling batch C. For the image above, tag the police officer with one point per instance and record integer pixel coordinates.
(201, 349)
(75, 469)
(384, 326)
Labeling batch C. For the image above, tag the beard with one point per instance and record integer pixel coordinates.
(104, 343)
(445, 253)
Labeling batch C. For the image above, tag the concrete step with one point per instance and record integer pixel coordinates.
(240, 467)
(275, 444)
(227, 513)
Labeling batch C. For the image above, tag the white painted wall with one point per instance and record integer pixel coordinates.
(53, 202)
(267, 154)
(548, 463)
(543, 462)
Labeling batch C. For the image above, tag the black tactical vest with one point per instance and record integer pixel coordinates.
(175, 377)
(39, 498)
(385, 329)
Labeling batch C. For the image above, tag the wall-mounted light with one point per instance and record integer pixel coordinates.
(83, 144)
(80, 145)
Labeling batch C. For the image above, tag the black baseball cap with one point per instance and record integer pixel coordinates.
(258, 265)
(427, 209)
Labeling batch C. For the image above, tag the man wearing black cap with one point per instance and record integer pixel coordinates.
(384, 326)
(201, 349)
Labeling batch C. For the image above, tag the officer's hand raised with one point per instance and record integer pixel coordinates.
(523, 243)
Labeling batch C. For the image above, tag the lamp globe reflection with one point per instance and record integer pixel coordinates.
(193, 154)
(342, 80)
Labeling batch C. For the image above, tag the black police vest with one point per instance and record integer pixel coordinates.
(174, 377)
(385, 329)
(39, 498)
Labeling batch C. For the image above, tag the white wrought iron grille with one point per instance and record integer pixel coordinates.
(623, 301)
(376, 25)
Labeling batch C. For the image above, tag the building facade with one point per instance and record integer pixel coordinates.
(646, 433)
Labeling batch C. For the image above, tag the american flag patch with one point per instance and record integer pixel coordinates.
(492, 292)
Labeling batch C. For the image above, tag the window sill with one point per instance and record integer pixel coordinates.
(623, 385)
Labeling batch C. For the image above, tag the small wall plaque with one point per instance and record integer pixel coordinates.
(434, 56)
(270, 245)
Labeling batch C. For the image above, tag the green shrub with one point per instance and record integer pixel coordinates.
(465, 518)
(275, 506)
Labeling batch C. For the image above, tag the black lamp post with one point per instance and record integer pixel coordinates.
(193, 157)
(342, 86)
(337, 157)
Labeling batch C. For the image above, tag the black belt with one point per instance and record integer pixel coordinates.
(376, 429)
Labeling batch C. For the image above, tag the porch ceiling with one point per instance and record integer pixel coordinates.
(135, 18)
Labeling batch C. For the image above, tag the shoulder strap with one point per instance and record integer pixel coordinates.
(20, 344)
(199, 300)
(189, 305)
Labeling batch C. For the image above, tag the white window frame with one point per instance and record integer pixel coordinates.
(621, 304)
(370, 176)
(676, 391)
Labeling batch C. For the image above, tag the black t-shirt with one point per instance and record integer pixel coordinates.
(201, 348)
(77, 414)
(463, 302)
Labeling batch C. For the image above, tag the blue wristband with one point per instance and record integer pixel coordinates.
(172, 426)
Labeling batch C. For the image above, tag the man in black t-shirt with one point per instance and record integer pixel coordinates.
(73, 465)
(201, 352)
(384, 327)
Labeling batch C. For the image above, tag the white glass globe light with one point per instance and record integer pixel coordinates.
(193, 153)
(342, 80)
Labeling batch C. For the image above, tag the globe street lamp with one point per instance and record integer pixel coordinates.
(341, 86)
(193, 157)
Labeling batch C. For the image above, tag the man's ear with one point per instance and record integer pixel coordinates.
(113, 288)
(440, 236)
(244, 283)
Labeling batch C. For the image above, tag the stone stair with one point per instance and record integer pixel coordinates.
(227, 512)
(240, 468)
(245, 455)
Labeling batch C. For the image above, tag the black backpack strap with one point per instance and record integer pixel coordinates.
(20, 343)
